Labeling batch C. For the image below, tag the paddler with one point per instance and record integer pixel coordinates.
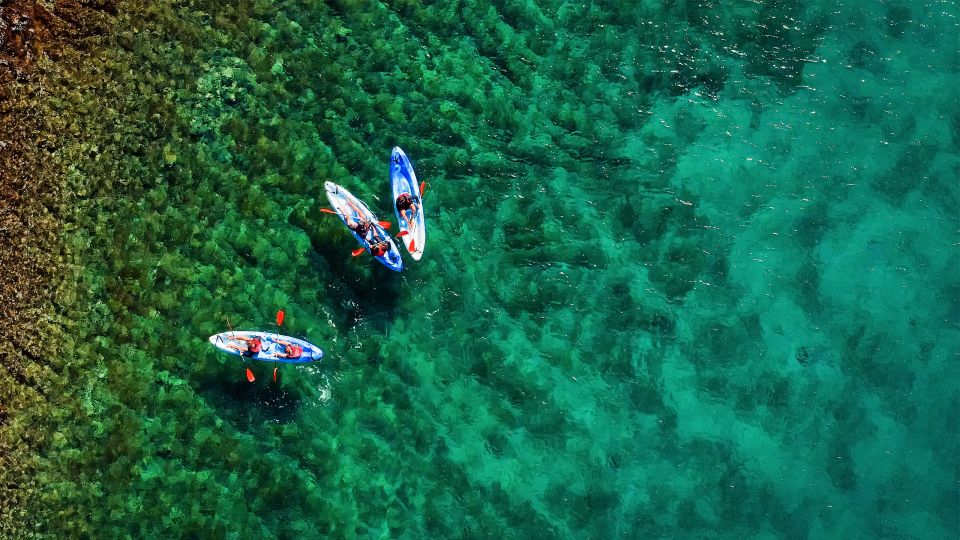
(250, 348)
(405, 204)
(380, 248)
(363, 227)
(290, 350)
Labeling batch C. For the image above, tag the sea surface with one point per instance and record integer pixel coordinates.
(691, 271)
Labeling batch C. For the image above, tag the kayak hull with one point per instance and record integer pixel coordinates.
(345, 204)
(404, 180)
(269, 348)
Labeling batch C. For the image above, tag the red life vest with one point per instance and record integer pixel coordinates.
(294, 351)
(254, 345)
(379, 250)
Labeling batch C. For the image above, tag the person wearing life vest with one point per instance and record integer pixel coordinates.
(363, 227)
(407, 207)
(290, 350)
(250, 348)
(379, 249)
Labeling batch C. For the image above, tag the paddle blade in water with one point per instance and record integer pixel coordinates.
(280, 317)
(423, 187)
(250, 376)
(357, 251)
(327, 211)
(274, 374)
(384, 224)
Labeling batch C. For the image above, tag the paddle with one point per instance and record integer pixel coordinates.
(384, 224)
(357, 251)
(329, 211)
(250, 376)
(423, 187)
(413, 243)
(280, 315)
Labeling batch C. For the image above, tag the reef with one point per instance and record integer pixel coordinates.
(35, 262)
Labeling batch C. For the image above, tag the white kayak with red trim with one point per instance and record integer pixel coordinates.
(404, 180)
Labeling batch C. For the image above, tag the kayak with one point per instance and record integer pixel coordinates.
(269, 347)
(347, 206)
(404, 180)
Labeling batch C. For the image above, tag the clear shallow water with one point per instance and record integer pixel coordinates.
(690, 272)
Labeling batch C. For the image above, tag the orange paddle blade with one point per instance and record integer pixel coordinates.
(384, 224)
(413, 245)
(401, 234)
(280, 317)
(327, 211)
(274, 374)
(423, 187)
(357, 251)
(250, 376)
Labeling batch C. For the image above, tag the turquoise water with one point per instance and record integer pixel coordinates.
(690, 272)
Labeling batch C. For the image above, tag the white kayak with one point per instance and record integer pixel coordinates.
(404, 181)
(271, 346)
(349, 207)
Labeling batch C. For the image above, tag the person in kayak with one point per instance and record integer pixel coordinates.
(363, 227)
(290, 350)
(407, 207)
(380, 248)
(250, 348)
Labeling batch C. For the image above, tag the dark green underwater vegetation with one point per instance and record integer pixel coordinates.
(690, 272)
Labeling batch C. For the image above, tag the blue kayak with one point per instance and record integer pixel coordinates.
(404, 181)
(271, 346)
(349, 207)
